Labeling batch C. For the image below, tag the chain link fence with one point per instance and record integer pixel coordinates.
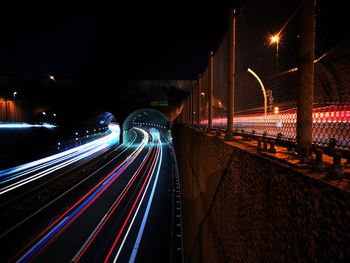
(267, 76)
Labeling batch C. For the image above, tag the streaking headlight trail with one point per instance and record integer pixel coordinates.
(29, 172)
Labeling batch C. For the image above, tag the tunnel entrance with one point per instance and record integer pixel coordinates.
(147, 118)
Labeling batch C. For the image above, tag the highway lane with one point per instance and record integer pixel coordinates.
(107, 219)
(17, 227)
(18, 177)
(55, 177)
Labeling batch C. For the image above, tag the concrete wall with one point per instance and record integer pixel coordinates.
(242, 207)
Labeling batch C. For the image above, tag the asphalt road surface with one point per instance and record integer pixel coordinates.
(125, 208)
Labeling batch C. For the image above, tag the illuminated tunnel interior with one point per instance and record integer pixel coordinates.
(147, 118)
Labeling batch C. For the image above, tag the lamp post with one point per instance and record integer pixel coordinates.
(275, 39)
(262, 88)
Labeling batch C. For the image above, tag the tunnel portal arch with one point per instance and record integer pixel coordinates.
(147, 118)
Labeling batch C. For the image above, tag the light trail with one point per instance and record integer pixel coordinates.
(150, 172)
(66, 192)
(23, 125)
(55, 162)
(285, 122)
(145, 216)
(111, 210)
(34, 164)
(81, 205)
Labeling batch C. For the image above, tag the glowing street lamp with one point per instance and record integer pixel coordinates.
(14, 95)
(262, 88)
(51, 77)
(275, 39)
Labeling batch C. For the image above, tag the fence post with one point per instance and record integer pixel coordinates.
(231, 74)
(199, 94)
(305, 87)
(211, 89)
(187, 109)
(192, 107)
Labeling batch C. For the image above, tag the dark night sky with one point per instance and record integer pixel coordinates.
(96, 47)
(101, 44)
(101, 41)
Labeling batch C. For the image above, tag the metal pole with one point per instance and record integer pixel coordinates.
(188, 109)
(199, 94)
(194, 98)
(211, 89)
(185, 111)
(305, 87)
(262, 88)
(192, 107)
(231, 74)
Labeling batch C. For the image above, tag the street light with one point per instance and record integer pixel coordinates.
(275, 39)
(14, 95)
(262, 88)
(51, 77)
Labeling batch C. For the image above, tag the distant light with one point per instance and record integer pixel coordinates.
(44, 113)
(76, 139)
(52, 77)
(87, 131)
(276, 110)
(94, 130)
(76, 133)
(58, 143)
(274, 39)
(54, 114)
(202, 93)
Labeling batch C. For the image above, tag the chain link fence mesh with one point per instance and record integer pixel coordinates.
(266, 77)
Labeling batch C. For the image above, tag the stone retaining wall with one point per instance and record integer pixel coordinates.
(243, 207)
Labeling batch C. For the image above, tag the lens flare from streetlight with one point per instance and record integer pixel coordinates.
(275, 39)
